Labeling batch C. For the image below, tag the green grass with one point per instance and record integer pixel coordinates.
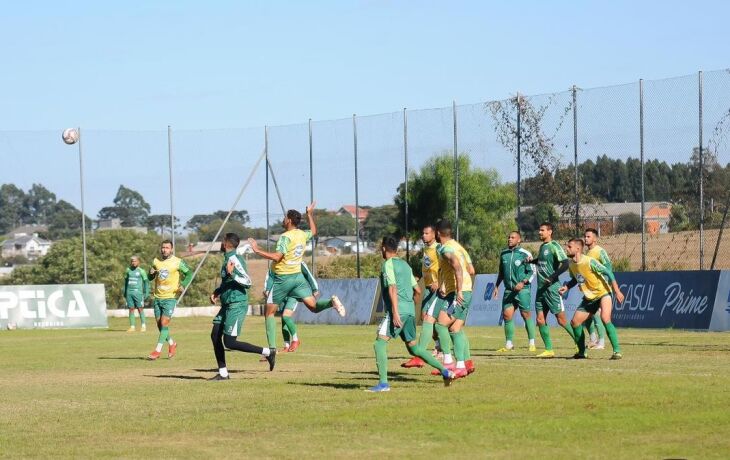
(89, 393)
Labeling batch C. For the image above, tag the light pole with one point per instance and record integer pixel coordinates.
(72, 136)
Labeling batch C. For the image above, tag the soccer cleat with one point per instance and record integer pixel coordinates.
(338, 306)
(505, 350)
(533, 348)
(413, 362)
(285, 349)
(547, 354)
(460, 373)
(616, 355)
(293, 346)
(379, 388)
(154, 355)
(271, 359)
(172, 351)
(143, 328)
(448, 376)
(217, 378)
(580, 355)
(131, 329)
(450, 366)
(598, 346)
(470, 366)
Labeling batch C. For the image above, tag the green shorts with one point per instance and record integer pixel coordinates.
(232, 317)
(548, 299)
(429, 302)
(135, 300)
(284, 286)
(407, 332)
(521, 299)
(164, 307)
(289, 304)
(591, 305)
(448, 304)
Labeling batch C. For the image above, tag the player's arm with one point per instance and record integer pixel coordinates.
(126, 281)
(569, 285)
(238, 272)
(186, 273)
(145, 283)
(152, 273)
(275, 256)
(562, 260)
(500, 278)
(310, 219)
(469, 265)
(390, 283)
(416, 290)
(605, 260)
(529, 270)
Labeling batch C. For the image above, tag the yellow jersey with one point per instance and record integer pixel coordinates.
(292, 244)
(600, 255)
(592, 277)
(447, 276)
(430, 264)
(167, 276)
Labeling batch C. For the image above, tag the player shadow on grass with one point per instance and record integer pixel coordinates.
(336, 386)
(395, 376)
(142, 358)
(178, 377)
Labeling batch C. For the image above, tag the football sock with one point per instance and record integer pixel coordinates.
(444, 338)
(216, 336)
(381, 359)
(233, 344)
(421, 352)
(580, 338)
(270, 322)
(322, 305)
(426, 334)
(600, 327)
(131, 317)
(290, 324)
(459, 346)
(509, 330)
(613, 337)
(545, 334)
(530, 326)
(141, 317)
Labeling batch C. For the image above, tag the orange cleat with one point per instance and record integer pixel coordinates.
(154, 355)
(172, 351)
(450, 366)
(460, 373)
(414, 362)
(294, 345)
(470, 366)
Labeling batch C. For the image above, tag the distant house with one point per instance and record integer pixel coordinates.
(349, 210)
(29, 246)
(116, 224)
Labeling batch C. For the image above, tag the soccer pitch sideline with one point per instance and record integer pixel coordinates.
(91, 393)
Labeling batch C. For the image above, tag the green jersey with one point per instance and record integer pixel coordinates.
(515, 267)
(549, 258)
(396, 272)
(234, 286)
(136, 282)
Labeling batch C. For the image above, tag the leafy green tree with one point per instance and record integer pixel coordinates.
(13, 212)
(628, 222)
(530, 220)
(328, 224)
(207, 232)
(129, 206)
(65, 222)
(381, 221)
(40, 204)
(199, 220)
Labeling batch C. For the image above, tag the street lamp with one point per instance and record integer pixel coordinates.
(73, 136)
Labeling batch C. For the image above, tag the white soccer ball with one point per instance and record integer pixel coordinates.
(244, 249)
(12, 326)
(70, 136)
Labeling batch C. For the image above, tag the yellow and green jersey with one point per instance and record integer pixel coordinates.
(430, 264)
(292, 244)
(592, 277)
(600, 255)
(167, 276)
(447, 275)
(396, 272)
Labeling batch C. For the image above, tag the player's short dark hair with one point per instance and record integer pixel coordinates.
(592, 230)
(232, 238)
(164, 242)
(431, 226)
(547, 225)
(443, 226)
(390, 243)
(517, 232)
(578, 241)
(294, 216)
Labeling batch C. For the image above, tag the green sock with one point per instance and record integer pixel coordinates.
(421, 352)
(141, 317)
(270, 322)
(285, 331)
(131, 317)
(444, 338)
(459, 345)
(613, 337)
(509, 329)
(381, 359)
(530, 326)
(290, 324)
(589, 325)
(600, 328)
(545, 334)
(569, 329)
(322, 305)
(467, 351)
(426, 334)
(580, 339)
(164, 334)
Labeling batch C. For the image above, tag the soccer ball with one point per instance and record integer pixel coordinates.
(70, 136)
(244, 249)
(12, 326)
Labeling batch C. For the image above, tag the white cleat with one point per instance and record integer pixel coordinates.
(337, 305)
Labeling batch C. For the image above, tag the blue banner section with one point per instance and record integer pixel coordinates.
(358, 296)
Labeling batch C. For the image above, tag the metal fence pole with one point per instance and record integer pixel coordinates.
(456, 173)
(405, 181)
(702, 178)
(357, 197)
(311, 187)
(575, 158)
(83, 209)
(172, 202)
(641, 156)
(519, 159)
(266, 154)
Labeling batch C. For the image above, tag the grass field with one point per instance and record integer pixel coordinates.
(90, 393)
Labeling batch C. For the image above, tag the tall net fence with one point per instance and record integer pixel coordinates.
(646, 164)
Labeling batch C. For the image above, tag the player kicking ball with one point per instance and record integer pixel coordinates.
(233, 294)
(593, 279)
(400, 294)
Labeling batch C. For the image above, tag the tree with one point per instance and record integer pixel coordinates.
(329, 224)
(207, 232)
(199, 220)
(530, 220)
(12, 207)
(65, 221)
(40, 203)
(381, 221)
(129, 206)
(628, 222)
(160, 223)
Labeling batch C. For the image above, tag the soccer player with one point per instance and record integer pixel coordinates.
(233, 294)
(166, 272)
(136, 291)
(551, 262)
(593, 278)
(400, 293)
(288, 280)
(452, 308)
(596, 329)
(430, 271)
(517, 273)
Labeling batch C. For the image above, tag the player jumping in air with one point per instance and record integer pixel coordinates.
(288, 280)
(517, 273)
(593, 278)
(400, 293)
(233, 294)
(166, 272)
(136, 291)
(596, 329)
